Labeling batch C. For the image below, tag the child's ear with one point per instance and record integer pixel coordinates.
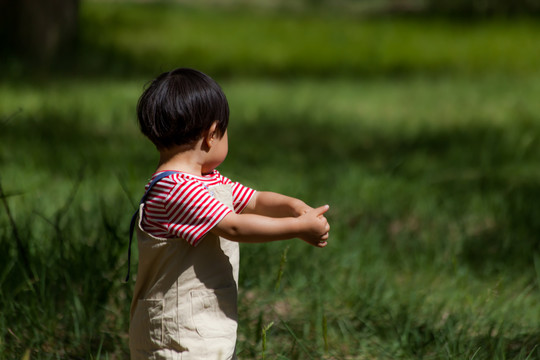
(211, 134)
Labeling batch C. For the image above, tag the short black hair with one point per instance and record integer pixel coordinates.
(179, 105)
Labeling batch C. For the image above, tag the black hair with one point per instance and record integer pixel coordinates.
(179, 105)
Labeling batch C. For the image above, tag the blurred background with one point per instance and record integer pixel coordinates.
(418, 121)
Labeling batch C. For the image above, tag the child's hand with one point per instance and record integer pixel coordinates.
(301, 208)
(316, 226)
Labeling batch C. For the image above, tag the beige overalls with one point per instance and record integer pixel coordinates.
(185, 299)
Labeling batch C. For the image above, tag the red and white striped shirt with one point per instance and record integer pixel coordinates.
(182, 205)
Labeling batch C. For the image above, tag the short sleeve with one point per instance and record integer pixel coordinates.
(192, 211)
(241, 194)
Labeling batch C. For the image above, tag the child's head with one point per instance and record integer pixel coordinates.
(179, 106)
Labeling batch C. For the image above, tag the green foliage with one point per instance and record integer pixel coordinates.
(130, 39)
(432, 183)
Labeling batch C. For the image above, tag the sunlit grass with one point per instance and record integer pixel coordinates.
(232, 41)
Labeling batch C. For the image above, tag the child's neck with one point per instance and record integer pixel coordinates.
(187, 160)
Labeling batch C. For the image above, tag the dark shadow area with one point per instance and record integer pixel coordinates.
(448, 154)
(66, 143)
(513, 239)
(70, 280)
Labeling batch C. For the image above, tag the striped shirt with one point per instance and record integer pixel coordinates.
(182, 205)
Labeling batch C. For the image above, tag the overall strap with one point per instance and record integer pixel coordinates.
(134, 217)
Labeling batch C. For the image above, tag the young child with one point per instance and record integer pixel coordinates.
(191, 220)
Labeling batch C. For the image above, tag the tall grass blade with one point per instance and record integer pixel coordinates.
(325, 333)
(26, 355)
(531, 353)
(281, 268)
(21, 247)
(298, 341)
(264, 331)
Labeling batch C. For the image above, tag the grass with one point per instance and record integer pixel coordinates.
(418, 212)
(431, 176)
(231, 41)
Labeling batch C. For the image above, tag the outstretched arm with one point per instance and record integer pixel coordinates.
(275, 205)
(311, 227)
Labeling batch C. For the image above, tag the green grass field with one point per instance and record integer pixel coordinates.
(427, 153)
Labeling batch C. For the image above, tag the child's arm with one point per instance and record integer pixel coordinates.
(311, 227)
(275, 205)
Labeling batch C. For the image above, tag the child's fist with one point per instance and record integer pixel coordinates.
(317, 227)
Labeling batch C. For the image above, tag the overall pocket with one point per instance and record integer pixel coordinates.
(214, 312)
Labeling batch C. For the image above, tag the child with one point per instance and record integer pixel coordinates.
(191, 220)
